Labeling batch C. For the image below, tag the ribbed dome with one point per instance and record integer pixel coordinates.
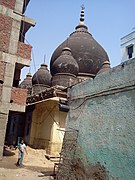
(27, 82)
(42, 76)
(87, 52)
(65, 63)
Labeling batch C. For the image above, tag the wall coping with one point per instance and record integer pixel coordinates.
(119, 77)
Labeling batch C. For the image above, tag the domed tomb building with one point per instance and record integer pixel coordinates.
(65, 69)
(41, 79)
(27, 83)
(86, 51)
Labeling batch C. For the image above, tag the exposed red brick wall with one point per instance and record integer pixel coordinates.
(2, 70)
(19, 96)
(24, 50)
(8, 3)
(5, 31)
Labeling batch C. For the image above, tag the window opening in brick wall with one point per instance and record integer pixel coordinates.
(17, 73)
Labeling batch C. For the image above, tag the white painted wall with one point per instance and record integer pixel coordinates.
(127, 41)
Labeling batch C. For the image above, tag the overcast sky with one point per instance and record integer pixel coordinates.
(107, 21)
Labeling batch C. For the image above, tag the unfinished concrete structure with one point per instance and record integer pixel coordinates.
(14, 55)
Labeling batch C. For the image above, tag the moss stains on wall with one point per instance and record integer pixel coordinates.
(103, 112)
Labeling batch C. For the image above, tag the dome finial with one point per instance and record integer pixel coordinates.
(82, 6)
(82, 14)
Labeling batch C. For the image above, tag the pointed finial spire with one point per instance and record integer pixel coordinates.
(29, 73)
(82, 27)
(82, 14)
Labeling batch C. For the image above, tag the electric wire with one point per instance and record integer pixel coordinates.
(103, 93)
(32, 53)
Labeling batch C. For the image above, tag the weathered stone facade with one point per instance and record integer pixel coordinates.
(48, 125)
(103, 112)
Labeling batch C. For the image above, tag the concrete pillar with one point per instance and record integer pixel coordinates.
(3, 124)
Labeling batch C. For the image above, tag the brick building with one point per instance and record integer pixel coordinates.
(14, 55)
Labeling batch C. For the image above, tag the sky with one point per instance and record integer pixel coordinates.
(107, 21)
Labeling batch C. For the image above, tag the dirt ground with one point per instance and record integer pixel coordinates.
(36, 166)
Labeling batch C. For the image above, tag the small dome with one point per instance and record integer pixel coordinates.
(27, 82)
(42, 76)
(65, 63)
(105, 67)
(87, 52)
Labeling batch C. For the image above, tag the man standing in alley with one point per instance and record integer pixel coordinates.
(22, 148)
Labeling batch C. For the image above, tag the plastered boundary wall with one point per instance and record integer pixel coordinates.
(103, 110)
